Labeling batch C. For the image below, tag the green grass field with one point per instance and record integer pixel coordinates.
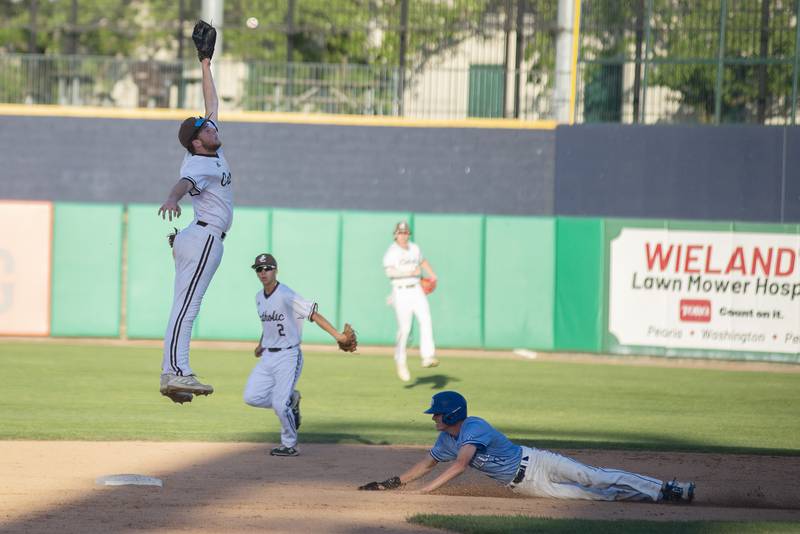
(91, 392)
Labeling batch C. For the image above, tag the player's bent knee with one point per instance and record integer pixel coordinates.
(257, 401)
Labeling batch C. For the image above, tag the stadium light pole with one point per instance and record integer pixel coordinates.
(566, 16)
(401, 89)
(213, 14)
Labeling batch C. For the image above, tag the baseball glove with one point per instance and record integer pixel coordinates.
(171, 237)
(388, 484)
(205, 37)
(351, 342)
(428, 285)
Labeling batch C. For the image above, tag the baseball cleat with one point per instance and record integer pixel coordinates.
(165, 378)
(284, 451)
(689, 492)
(675, 491)
(179, 397)
(433, 362)
(176, 397)
(187, 384)
(402, 372)
(295, 407)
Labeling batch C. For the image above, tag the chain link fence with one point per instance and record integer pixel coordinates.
(688, 61)
(414, 58)
(639, 61)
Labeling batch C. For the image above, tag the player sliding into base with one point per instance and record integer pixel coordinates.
(271, 383)
(472, 442)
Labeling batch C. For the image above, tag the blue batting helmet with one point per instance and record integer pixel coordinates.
(451, 405)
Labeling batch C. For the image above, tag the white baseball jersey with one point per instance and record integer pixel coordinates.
(212, 191)
(408, 300)
(282, 315)
(404, 261)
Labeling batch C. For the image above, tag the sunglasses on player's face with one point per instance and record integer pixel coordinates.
(262, 268)
(198, 125)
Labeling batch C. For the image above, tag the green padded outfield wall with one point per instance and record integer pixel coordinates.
(306, 246)
(453, 244)
(519, 282)
(364, 286)
(151, 271)
(86, 279)
(580, 279)
(229, 307)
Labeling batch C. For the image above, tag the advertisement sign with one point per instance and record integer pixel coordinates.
(705, 290)
(25, 267)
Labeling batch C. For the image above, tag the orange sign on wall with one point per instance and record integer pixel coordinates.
(25, 245)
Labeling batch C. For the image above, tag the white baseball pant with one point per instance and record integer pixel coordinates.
(197, 251)
(409, 302)
(551, 475)
(270, 385)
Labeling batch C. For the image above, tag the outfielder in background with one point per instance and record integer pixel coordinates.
(472, 442)
(403, 264)
(197, 249)
(272, 382)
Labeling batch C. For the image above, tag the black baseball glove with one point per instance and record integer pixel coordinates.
(388, 484)
(205, 37)
(171, 237)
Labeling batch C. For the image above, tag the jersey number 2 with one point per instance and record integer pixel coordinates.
(280, 329)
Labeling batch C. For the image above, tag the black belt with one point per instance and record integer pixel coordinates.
(408, 286)
(203, 223)
(278, 349)
(521, 472)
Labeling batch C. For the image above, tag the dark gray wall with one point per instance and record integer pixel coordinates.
(744, 173)
(791, 178)
(458, 170)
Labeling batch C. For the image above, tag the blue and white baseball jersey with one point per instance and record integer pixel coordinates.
(282, 314)
(212, 189)
(495, 454)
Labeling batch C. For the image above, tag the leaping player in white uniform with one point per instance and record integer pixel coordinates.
(271, 383)
(403, 264)
(197, 249)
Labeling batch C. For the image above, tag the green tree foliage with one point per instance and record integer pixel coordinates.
(759, 42)
(759, 48)
(101, 27)
(351, 31)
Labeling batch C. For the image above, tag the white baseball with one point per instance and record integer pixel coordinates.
(252, 23)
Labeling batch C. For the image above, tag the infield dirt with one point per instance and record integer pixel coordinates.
(238, 487)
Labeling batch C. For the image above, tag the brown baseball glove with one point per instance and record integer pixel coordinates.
(205, 37)
(428, 285)
(351, 342)
(388, 484)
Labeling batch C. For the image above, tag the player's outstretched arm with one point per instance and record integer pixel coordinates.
(323, 323)
(417, 470)
(465, 454)
(170, 206)
(209, 91)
